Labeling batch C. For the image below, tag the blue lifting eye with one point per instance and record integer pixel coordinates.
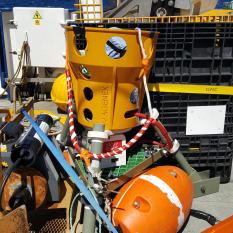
(115, 47)
(85, 71)
(134, 96)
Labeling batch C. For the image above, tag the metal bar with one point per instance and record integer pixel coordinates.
(88, 12)
(35, 80)
(65, 131)
(81, 5)
(202, 184)
(89, 219)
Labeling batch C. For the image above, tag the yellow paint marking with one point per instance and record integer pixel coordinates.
(191, 89)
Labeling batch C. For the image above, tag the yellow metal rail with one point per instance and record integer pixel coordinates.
(191, 89)
(89, 11)
(164, 19)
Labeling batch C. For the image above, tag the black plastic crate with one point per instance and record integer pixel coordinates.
(172, 108)
(197, 53)
(205, 143)
(188, 52)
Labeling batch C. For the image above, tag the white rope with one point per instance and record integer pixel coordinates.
(144, 56)
(147, 96)
(144, 76)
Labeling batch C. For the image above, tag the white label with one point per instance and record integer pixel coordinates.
(41, 27)
(117, 160)
(202, 120)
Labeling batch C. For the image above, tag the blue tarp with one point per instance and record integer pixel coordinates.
(220, 4)
(68, 4)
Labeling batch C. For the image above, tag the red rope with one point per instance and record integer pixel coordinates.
(73, 135)
(161, 128)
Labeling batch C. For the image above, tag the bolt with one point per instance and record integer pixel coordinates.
(170, 3)
(173, 173)
(136, 204)
(203, 189)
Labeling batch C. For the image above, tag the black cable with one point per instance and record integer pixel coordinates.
(204, 216)
(6, 177)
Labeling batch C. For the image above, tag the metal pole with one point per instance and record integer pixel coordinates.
(97, 147)
(183, 162)
(65, 131)
(202, 184)
(89, 220)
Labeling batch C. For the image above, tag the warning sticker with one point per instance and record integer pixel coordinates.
(37, 15)
(37, 22)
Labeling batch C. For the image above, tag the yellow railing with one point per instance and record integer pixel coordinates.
(89, 12)
(164, 19)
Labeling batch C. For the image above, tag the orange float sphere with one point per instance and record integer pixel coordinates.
(158, 200)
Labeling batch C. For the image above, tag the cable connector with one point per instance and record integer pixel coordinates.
(175, 147)
(204, 216)
(155, 113)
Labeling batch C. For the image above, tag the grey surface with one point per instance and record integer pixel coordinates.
(219, 204)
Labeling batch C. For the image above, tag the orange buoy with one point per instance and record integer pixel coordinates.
(158, 200)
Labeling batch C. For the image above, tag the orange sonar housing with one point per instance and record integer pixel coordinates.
(156, 201)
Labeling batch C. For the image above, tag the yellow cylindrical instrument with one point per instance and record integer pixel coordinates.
(106, 71)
